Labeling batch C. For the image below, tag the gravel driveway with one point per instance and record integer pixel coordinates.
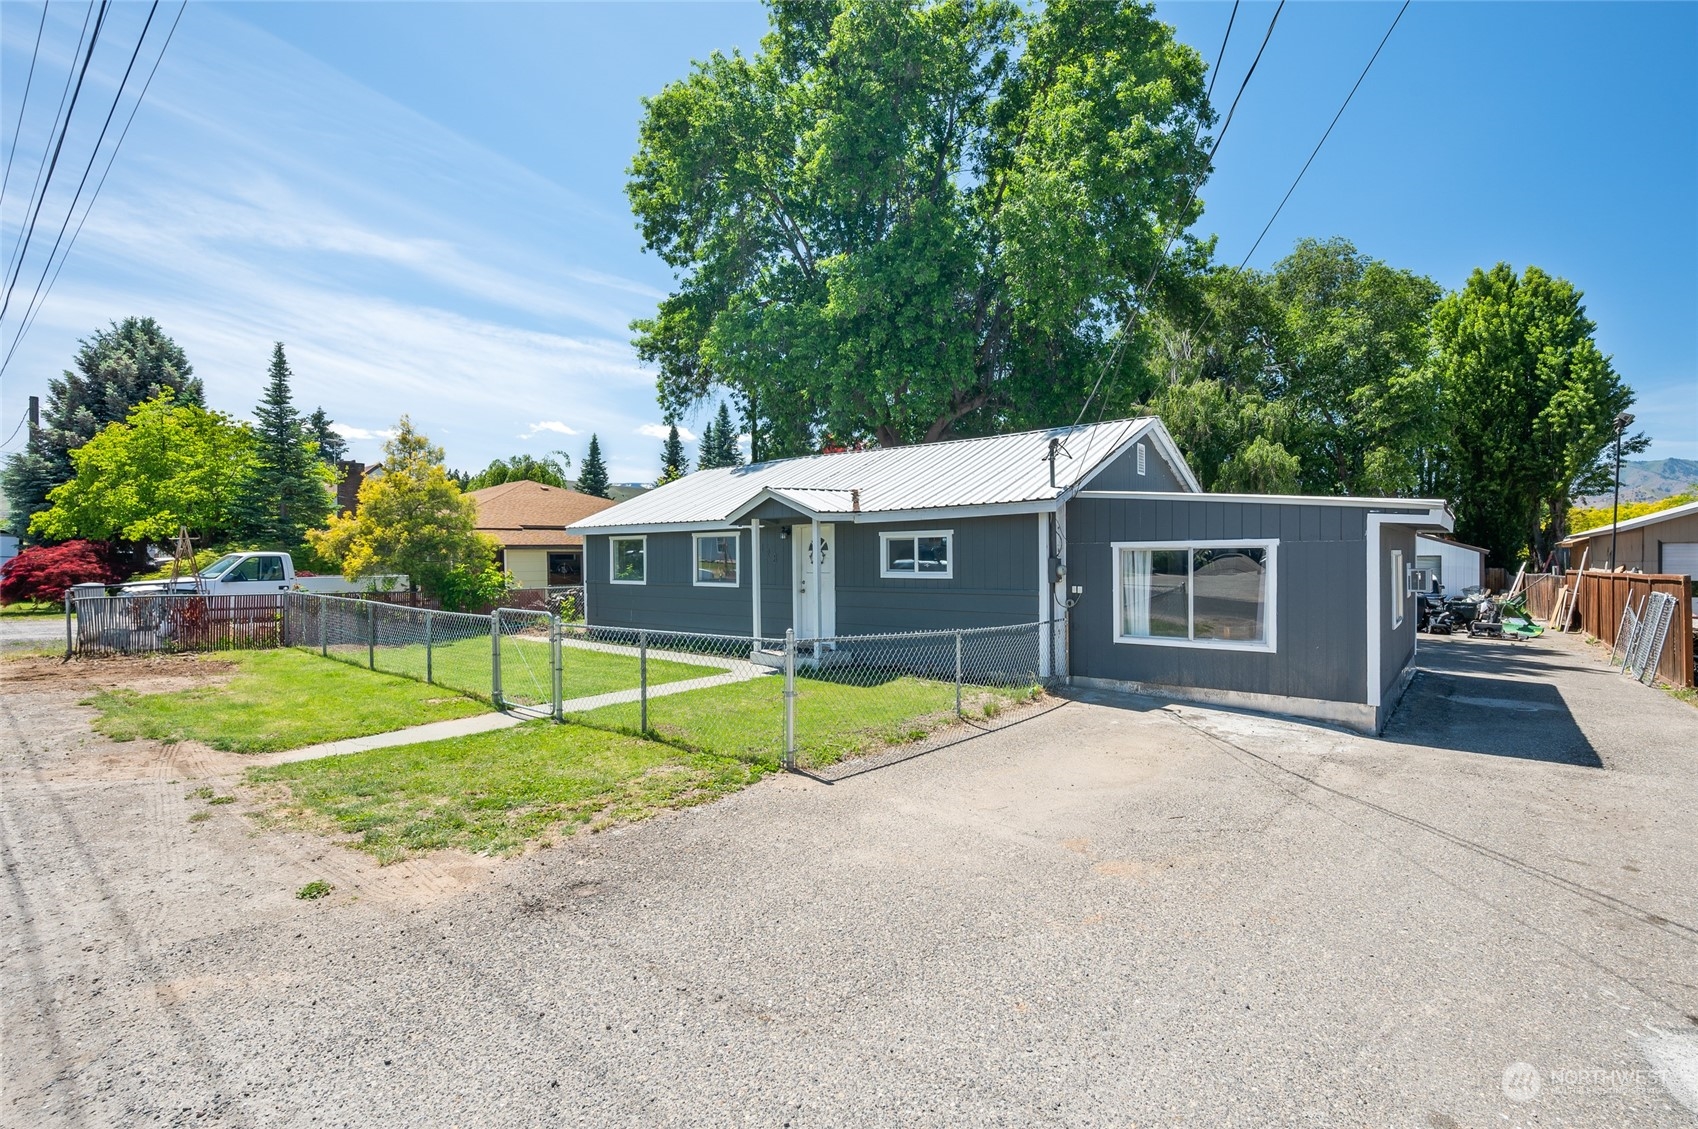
(1116, 913)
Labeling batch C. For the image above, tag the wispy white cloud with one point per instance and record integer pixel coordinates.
(661, 430)
(265, 197)
(553, 425)
(348, 431)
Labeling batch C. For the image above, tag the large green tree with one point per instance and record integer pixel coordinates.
(289, 490)
(167, 465)
(1530, 407)
(412, 519)
(1310, 377)
(523, 468)
(899, 221)
(115, 370)
(332, 448)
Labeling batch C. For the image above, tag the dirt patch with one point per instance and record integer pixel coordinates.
(36, 674)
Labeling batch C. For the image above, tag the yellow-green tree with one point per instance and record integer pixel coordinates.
(413, 519)
(168, 464)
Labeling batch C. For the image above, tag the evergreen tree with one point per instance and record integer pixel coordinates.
(592, 476)
(286, 493)
(332, 448)
(673, 463)
(115, 370)
(725, 434)
(707, 447)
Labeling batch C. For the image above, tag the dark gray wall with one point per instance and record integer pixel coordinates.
(1321, 581)
(1122, 473)
(995, 581)
(1397, 647)
(669, 600)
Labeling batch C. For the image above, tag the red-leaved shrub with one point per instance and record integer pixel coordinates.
(45, 572)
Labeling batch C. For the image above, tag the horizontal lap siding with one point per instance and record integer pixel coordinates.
(995, 581)
(1321, 637)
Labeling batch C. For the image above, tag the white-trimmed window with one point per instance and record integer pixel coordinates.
(1196, 594)
(926, 554)
(716, 559)
(627, 560)
(1399, 589)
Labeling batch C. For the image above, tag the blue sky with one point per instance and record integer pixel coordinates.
(425, 201)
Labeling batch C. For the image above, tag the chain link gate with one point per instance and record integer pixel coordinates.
(525, 653)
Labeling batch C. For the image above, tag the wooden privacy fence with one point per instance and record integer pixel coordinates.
(1603, 595)
(1543, 590)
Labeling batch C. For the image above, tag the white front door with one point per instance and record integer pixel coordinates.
(815, 618)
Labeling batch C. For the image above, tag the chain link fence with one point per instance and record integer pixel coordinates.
(448, 649)
(829, 707)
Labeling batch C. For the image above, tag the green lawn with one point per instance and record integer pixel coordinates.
(834, 719)
(282, 699)
(29, 607)
(465, 666)
(494, 792)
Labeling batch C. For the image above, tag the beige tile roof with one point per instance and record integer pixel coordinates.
(531, 515)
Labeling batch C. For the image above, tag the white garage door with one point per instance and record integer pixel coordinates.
(1681, 557)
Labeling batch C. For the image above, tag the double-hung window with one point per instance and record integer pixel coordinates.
(628, 558)
(716, 559)
(1196, 594)
(910, 554)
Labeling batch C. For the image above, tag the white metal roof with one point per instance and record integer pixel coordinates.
(996, 470)
(1633, 523)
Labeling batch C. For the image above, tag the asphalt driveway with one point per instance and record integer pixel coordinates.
(1116, 913)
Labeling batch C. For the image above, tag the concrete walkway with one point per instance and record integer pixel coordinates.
(486, 722)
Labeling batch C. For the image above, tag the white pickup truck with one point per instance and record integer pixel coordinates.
(259, 574)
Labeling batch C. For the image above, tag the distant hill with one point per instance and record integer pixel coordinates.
(1645, 480)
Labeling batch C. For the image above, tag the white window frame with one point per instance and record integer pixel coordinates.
(887, 536)
(1270, 645)
(696, 558)
(1399, 589)
(613, 558)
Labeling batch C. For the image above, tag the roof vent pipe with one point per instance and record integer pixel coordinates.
(855, 501)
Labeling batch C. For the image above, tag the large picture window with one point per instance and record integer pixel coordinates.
(629, 559)
(1195, 594)
(927, 554)
(716, 558)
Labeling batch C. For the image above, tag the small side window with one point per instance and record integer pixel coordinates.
(627, 556)
(1140, 458)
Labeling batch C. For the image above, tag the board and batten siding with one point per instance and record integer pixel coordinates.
(669, 599)
(994, 581)
(1121, 473)
(1397, 645)
(1321, 638)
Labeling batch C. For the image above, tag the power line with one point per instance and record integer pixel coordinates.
(15, 431)
(1325, 135)
(1191, 195)
(29, 317)
(53, 129)
(17, 130)
(1227, 38)
(23, 245)
(94, 155)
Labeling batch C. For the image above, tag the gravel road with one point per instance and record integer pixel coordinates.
(1116, 913)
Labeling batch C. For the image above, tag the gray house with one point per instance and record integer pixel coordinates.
(1101, 534)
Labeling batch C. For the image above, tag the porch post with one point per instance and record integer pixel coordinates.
(819, 604)
(755, 578)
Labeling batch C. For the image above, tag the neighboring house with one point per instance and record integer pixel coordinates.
(348, 487)
(1665, 542)
(1450, 565)
(1296, 605)
(530, 520)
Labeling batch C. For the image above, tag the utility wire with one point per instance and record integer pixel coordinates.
(94, 155)
(1220, 55)
(1325, 135)
(53, 129)
(29, 319)
(1191, 195)
(23, 246)
(17, 130)
(15, 431)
